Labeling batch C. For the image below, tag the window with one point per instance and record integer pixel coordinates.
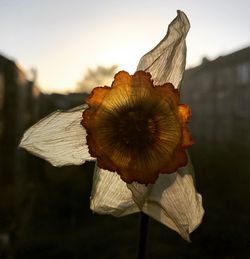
(243, 71)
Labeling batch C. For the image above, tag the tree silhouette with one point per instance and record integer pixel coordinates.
(99, 76)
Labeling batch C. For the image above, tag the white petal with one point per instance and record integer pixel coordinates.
(58, 138)
(166, 62)
(172, 200)
(110, 195)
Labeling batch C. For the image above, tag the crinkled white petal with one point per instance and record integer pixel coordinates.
(110, 195)
(166, 62)
(172, 200)
(58, 138)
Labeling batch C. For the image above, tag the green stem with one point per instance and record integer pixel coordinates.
(143, 236)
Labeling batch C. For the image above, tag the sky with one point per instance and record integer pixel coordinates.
(61, 39)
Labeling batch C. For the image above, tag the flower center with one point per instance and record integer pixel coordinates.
(136, 129)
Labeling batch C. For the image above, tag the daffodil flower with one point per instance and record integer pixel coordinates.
(136, 130)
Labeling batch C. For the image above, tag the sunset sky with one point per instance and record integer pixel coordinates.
(62, 38)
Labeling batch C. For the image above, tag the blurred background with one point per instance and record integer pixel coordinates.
(52, 53)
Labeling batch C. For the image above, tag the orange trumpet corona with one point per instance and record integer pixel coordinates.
(137, 129)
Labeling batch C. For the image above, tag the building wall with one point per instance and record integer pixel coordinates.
(22, 175)
(17, 111)
(218, 93)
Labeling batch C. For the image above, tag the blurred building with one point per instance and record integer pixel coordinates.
(51, 102)
(218, 92)
(21, 174)
(18, 110)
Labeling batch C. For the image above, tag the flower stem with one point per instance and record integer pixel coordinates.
(143, 236)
